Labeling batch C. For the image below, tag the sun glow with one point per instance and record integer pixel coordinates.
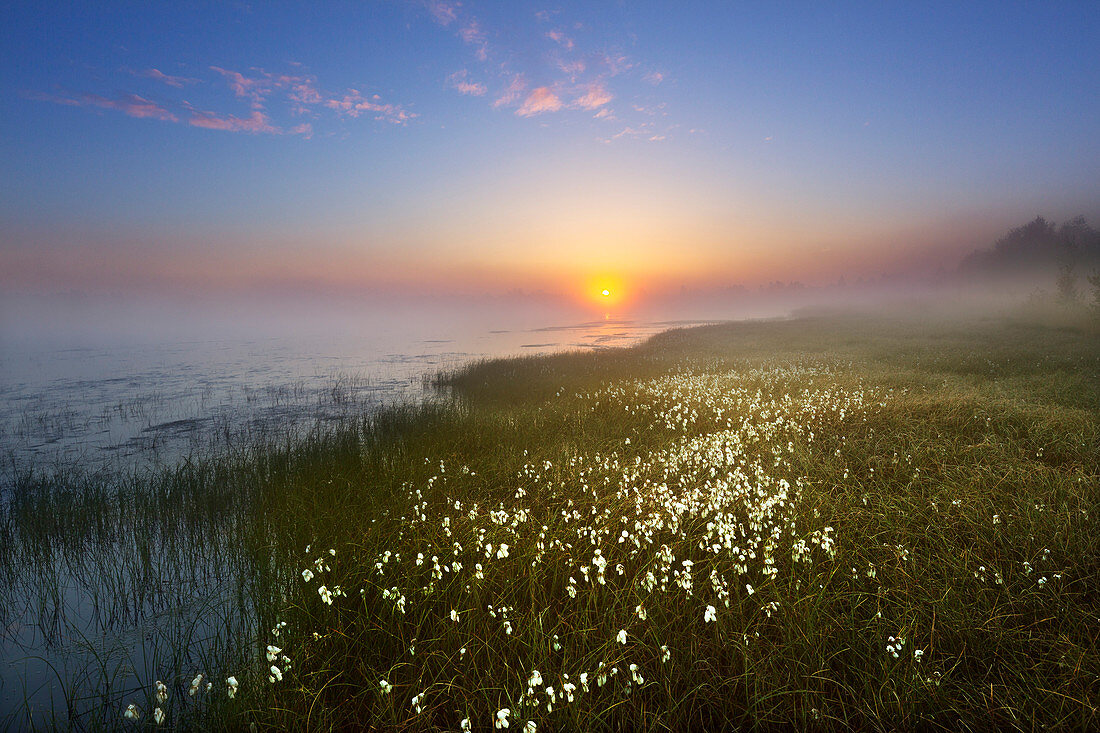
(604, 291)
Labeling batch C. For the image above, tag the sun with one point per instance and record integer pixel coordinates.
(604, 291)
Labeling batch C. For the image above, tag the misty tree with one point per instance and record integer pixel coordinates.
(1068, 294)
(1037, 247)
(1094, 281)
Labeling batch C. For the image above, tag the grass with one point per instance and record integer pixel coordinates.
(819, 523)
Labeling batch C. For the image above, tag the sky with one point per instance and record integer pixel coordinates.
(434, 147)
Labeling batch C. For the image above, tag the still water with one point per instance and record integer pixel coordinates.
(77, 637)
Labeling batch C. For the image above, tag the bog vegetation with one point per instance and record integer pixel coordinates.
(821, 522)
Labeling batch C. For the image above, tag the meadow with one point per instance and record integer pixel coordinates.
(824, 522)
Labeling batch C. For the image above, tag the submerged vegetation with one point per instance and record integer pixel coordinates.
(818, 522)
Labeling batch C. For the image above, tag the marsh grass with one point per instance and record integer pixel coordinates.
(892, 520)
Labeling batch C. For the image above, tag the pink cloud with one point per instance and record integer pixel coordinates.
(129, 104)
(617, 63)
(172, 81)
(654, 77)
(257, 122)
(254, 90)
(595, 96)
(354, 104)
(560, 38)
(305, 130)
(302, 94)
(604, 113)
(629, 132)
(460, 82)
(472, 33)
(512, 92)
(573, 68)
(541, 99)
(443, 12)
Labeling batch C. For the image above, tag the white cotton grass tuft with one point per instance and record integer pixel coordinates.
(196, 684)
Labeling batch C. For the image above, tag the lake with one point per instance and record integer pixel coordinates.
(87, 619)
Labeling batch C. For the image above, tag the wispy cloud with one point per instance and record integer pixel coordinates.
(294, 94)
(561, 39)
(447, 14)
(572, 67)
(471, 32)
(173, 81)
(256, 123)
(594, 97)
(460, 81)
(130, 105)
(512, 93)
(443, 12)
(353, 104)
(563, 74)
(541, 99)
(252, 89)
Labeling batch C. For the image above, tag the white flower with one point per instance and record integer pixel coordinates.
(502, 551)
(535, 679)
(454, 615)
(530, 727)
(709, 615)
(276, 675)
(665, 654)
(502, 718)
(326, 596)
(158, 716)
(162, 691)
(195, 685)
(272, 653)
(621, 637)
(387, 688)
(231, 683)
(132, 712)
(307, 575)
(416, 702)
(464, 725)
(748, 587)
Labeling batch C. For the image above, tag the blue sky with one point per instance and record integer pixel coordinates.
(482, 147)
